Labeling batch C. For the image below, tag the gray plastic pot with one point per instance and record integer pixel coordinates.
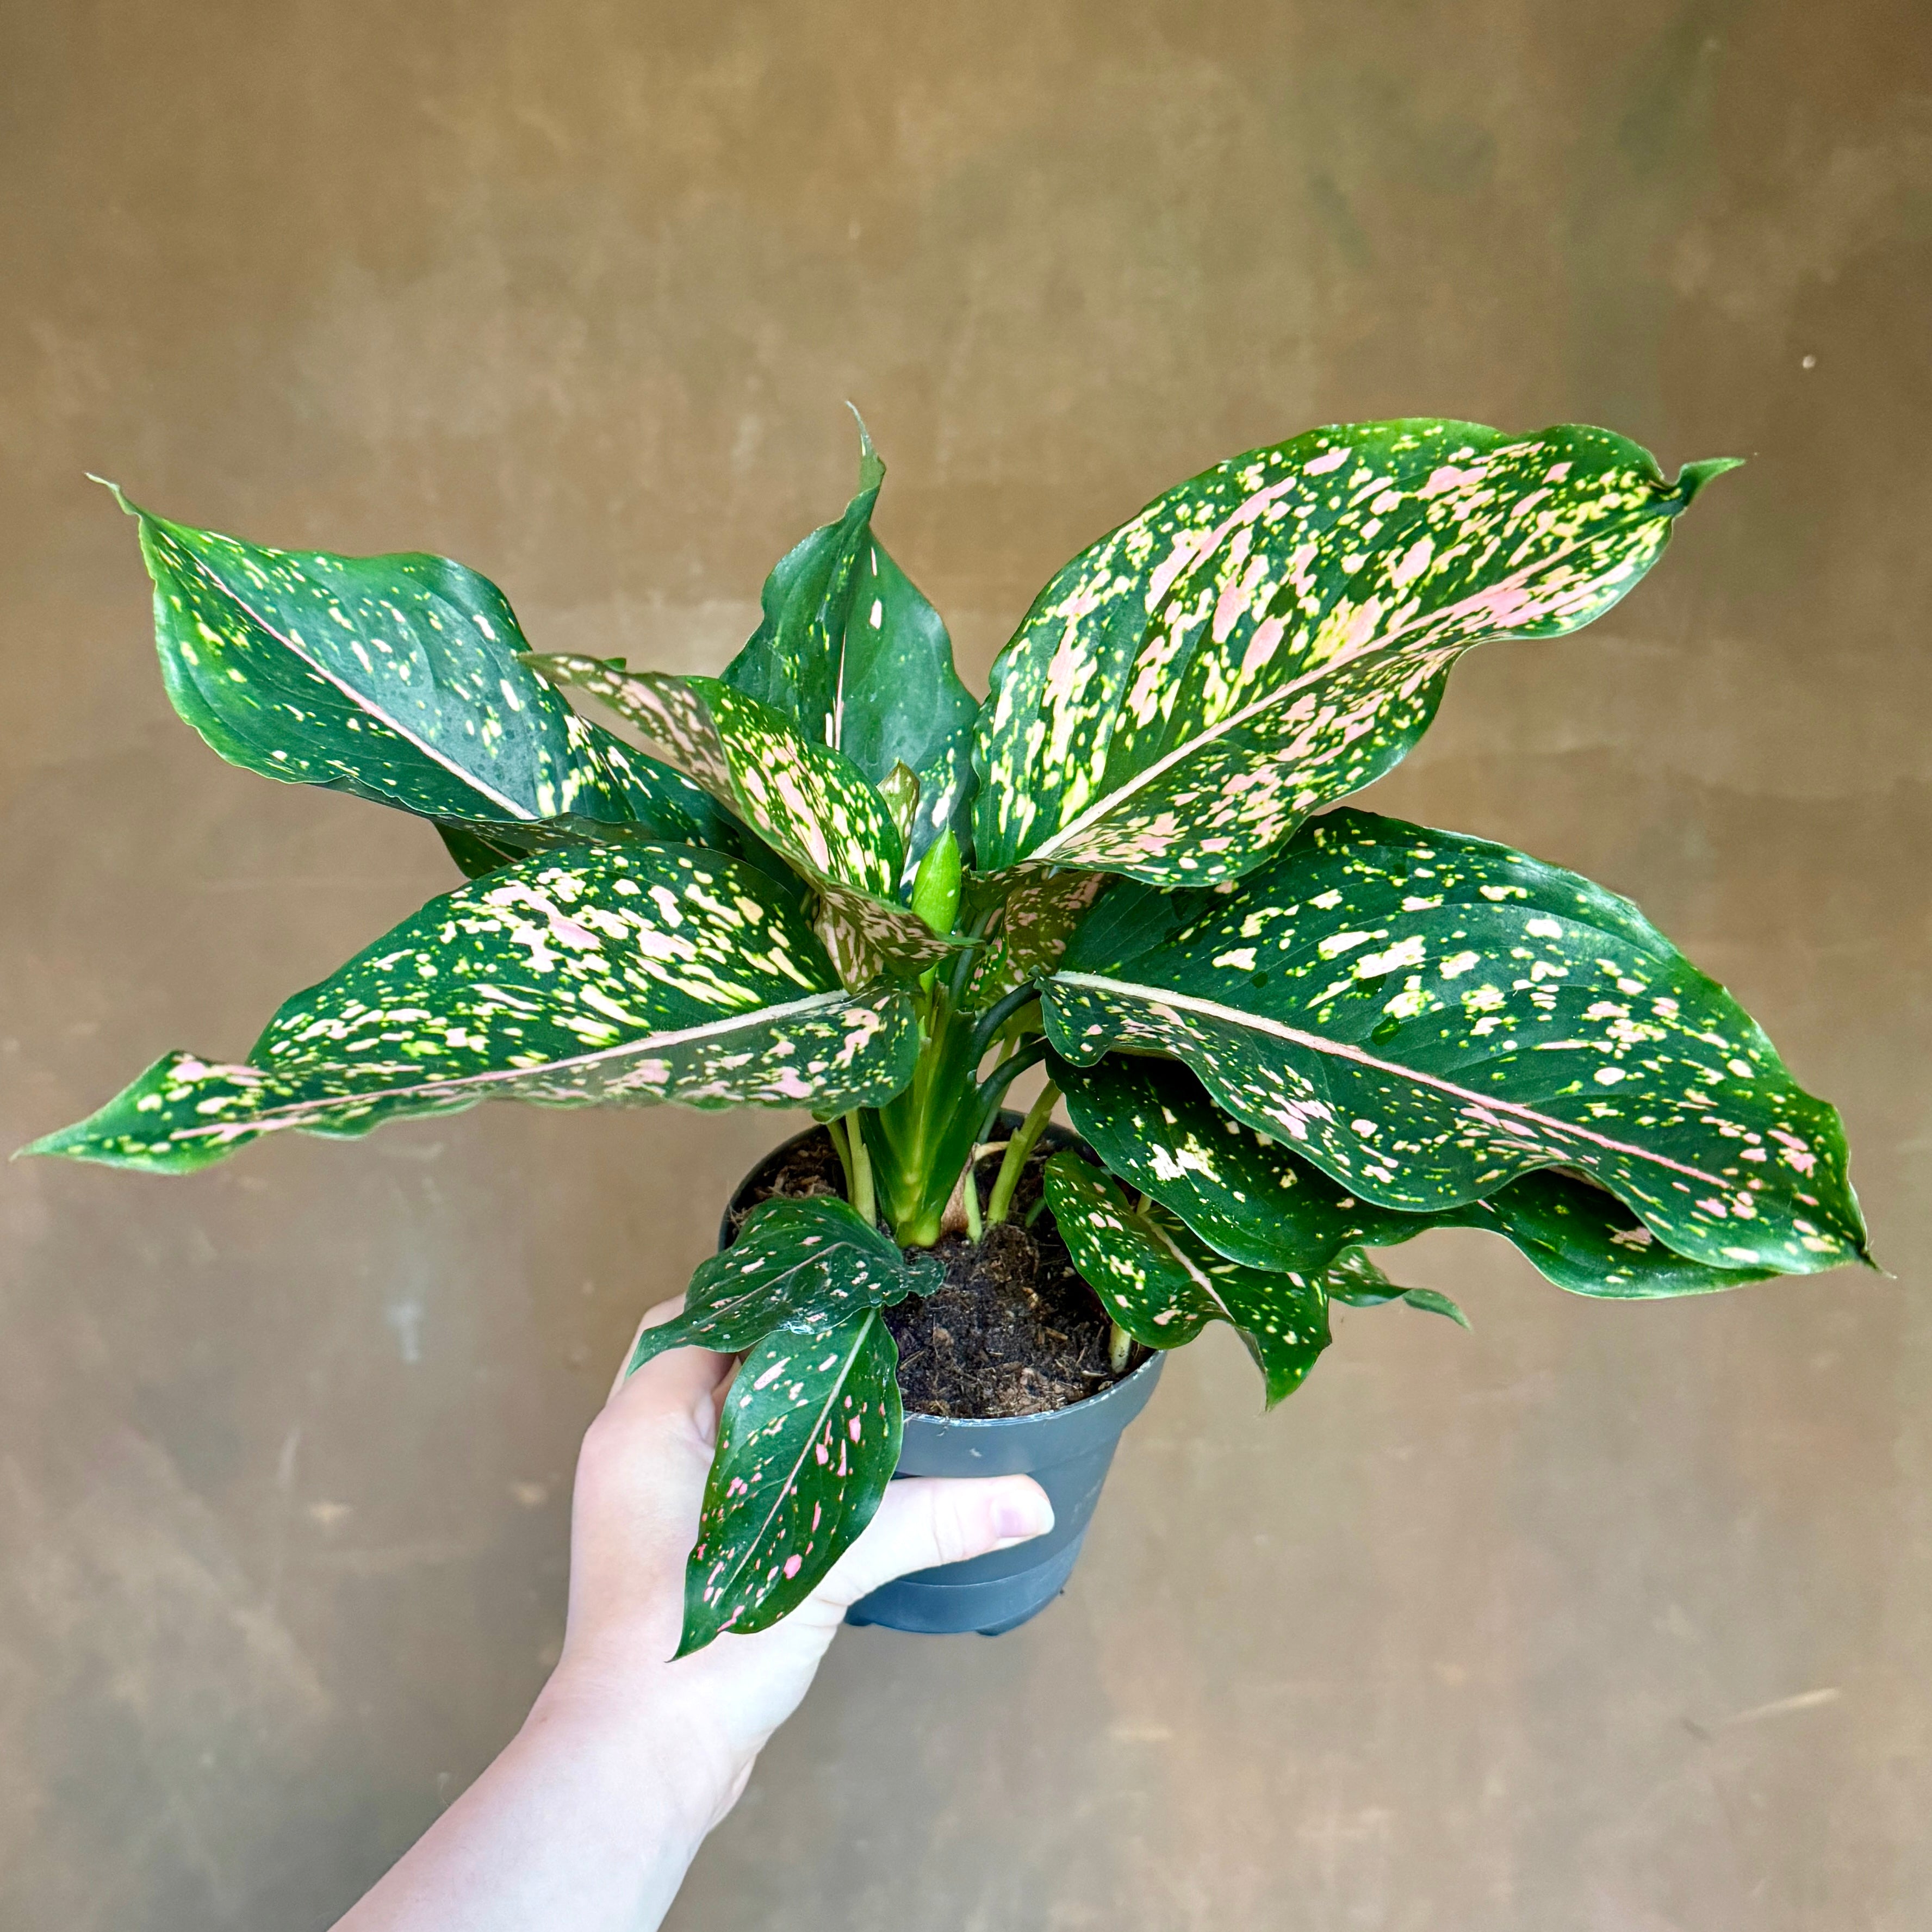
(1067, 1451)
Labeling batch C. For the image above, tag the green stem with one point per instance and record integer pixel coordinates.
(1018, 1149)
(1120, 1346)
(988, 1025)
(835, 1131)
(993, 1088)
(864, 1202)
(969, 1181)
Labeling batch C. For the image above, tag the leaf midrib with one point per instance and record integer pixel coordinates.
(1166, 996)
(760, 1015)
(361, 699)
(785, 1488)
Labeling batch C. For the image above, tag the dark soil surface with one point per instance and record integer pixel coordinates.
(1013, 1331)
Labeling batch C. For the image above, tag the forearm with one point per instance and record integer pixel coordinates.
(586, 1822)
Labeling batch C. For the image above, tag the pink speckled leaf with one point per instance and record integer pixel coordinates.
(1425, 1016)
(1249, 1198)
(810, 802)
(614, 973)
(807, 1442)
(1277, 632)
(1038, 912)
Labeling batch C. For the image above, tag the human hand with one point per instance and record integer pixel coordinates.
(588, 1819)
(640, 1482)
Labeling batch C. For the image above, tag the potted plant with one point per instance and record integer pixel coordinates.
(1285, 1031)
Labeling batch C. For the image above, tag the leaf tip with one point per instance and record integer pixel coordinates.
(872, 469)
(114, 489)
(1692, 478)
(690, 1641)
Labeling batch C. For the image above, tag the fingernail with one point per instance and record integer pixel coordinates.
(1024, 1515)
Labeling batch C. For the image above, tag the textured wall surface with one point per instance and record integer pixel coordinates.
(1607, 1618)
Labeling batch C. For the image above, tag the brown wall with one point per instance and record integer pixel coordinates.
(1603, 1617)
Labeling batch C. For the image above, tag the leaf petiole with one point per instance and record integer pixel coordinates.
(835, 1131)
(1017, 1151)
(859, 1166)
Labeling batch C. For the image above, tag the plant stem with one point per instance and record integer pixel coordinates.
(1120, 1346)
(975, 1227)
(996, 1016)
(863, 1201)
(1018, 1149)
(835, 1131)
(993, 1088)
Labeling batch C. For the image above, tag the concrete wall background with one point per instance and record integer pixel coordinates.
(1603, 1617)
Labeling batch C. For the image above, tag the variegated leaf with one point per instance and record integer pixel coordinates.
(662, 802)
(394, 678)
(811, 803)
(1276, 632)
(1355, 1282)
(654, 805)
(606, 974)
(1249, 1198)
(1038, 914)
(810, 1262)
(1152, 1122)
(795, 659)
(807, 1440)
(1584, 1240)
(1425, 1016)
(859, 660)
(1163, 1286)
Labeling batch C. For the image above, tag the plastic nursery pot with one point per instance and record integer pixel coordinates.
(1067, 1451)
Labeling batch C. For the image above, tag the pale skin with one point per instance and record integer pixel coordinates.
(589, 1820)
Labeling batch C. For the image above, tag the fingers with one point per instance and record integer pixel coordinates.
(687, 1379)
(928, 1520)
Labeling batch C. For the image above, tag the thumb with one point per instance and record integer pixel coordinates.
(928, 1520)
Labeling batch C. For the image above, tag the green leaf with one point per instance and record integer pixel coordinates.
(1163, 1286)
(852, 652)
(1425, 1016)
(1248, 1198)
(812, 1262)
(1432, 1302)
(1587, 1241)
(1277, 632)
(394, 678)
(811, 803)
(807, 1440)
(794, 659)
(475, 851)
(900, 701)
(1356, 1282)
(592, 975)
(1154, 1125)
